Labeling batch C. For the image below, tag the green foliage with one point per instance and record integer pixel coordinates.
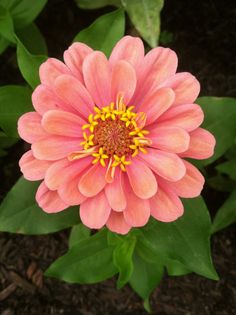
(19, 212)
(228, 168)
(96, 4)
(6, 25)
(14, 101)
(104, 32)
(5, 142)
(78, 233)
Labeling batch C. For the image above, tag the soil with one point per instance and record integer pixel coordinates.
(203, 37)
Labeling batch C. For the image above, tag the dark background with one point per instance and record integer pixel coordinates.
(204, 37)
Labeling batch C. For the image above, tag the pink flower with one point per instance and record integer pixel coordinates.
(111, 135)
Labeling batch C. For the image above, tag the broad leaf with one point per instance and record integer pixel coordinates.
(6, 25)
(95, 4)
(3, 44)
(89, 261)
(220, 117)
(19, 212)
(176, 268)
(14, 101)
(145, 15)
(104, 32)
(228, 168)
(186, 240)
(78, 233)
(29, 64)
(226, 215)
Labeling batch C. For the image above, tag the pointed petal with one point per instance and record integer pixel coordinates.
(93, 181)
(116, 223)
(97, 78)
(165, 164)
(115, 193)
(188, 117)
(201, 146)
(171, 139)
(74, 57)
(166, 206)
(63, 123)
(50, 70)
(29, 127)
(130, 49)
(32, 168)
(49, 200)
(123, 81)
(95, 211)
(144, 186)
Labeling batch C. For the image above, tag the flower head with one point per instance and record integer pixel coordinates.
(112, 135)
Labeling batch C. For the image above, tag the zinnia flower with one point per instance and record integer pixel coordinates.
(112, 135)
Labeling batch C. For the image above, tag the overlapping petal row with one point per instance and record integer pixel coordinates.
(112, 135)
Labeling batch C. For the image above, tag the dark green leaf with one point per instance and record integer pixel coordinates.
(221, 183)
(3, 44)
(220, 117)
(19, 212)
(145, 15)
(176, 268)
(95, 4)
(5, 141)
(104, 32)
(14, 101)
(226, 215)
(6, 25)
(89, 261)
(78, 233)
(228, 168)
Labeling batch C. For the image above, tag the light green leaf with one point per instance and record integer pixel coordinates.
(122, 258)
(220, 117)
(78, 233)
(104, 32)
(176, 268)
(89, 261)
(6, 25)
(14, 101)
(228, 168)
(29, 64)
(226, 215)
(95, 4)
(145, 15)
(186, 240)
(19, 212)
(37, 45)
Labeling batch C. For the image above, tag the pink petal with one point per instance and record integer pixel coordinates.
(29, 127)
(142, 179)
(72, 92)
(95, 211)
(63, 123)
(32, 168)
(51, 69)
(49, 200)
(201, 146)
(156, 103)
(130, 49)
(123, 81)
(74, 57)
(166, 206)
(116, 223)
(55, 147)
(115, 193)
(97, 78)
(171, 139)
(165, 164)
(185, 86)
(137, 211)
(69, 191)
(191, 185)
(188, 117)
(93, 181)
(158, 65)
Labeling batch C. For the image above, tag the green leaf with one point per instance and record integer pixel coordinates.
(96, 4)
(122, 259)
(29, 64)
(78, 233)
(14, 101)
(19, 212)
(220, 117)
(228, 168)
(3, 44)
(145, 15)
(186, 240)
(89, 261)
(221, 183)
(5, 141)
(226, 215)
(176, 268)
(23, 12)
(104, 32)
(145, 277)
(38, 45)
(6, 24)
